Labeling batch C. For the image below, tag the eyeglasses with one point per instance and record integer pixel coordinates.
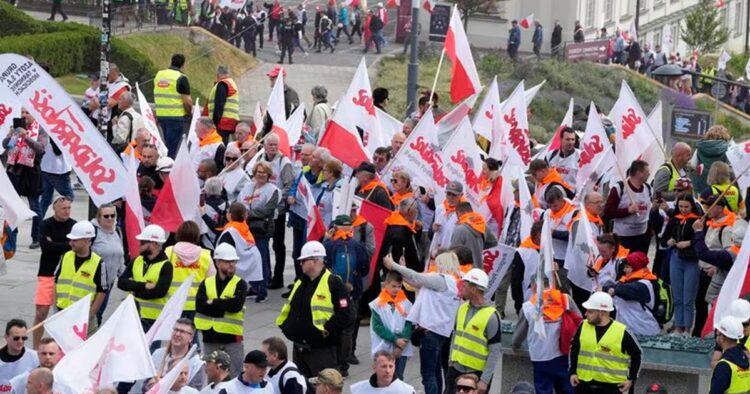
(465, 389)
(181, 331)
(110, 216)
(230, 158)
(20, 338)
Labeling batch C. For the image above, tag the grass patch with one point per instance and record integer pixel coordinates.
(203, 52)
(74, 83)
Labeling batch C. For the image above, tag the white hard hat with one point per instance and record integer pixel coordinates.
(731, 327)
(82, 230)
(478, 277)
(740, 308)
(599, 301)
(312, 249)
(225, 251)
(152, 233)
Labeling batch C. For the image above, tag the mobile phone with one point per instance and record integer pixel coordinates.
(202, 199)
(19, 123)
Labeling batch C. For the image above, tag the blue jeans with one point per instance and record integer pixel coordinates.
(429, 358)
(261, 286)
(52, 182)
(172, 129)
(685, 275)
(401, 367)
(552, 376)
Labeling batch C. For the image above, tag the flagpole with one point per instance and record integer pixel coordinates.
(626, 185)
(724, 192)
(437, 74)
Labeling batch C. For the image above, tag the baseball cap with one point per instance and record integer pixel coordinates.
(454, 187)
(220, 358)
(257, 358)
(275, 72)
(328, 377)
(366, 167)
(342, 220)
(94, 76)
(522, 388)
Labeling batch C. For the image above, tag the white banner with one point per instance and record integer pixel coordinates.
(149, 120)
(594, 147)
(499, 259)
(9, 109)
(462, 162)
(96, 164)
(232, 4)
(15, 210)
(421, 158)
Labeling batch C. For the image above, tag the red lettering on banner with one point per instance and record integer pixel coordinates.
(365, 101)
(472, 179)
(5, 388)
(81, 331)
(590, 150)
(69, 130)
(430, 156)
(489, 258)
(4, 112)
(629, 123)
(489, 114)
(747, 145)
(517, 137)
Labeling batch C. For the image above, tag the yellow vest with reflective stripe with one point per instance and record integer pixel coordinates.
(602, 361)
(740, 379)
(168, 101)
(180, 274)
(674, 175)
(732, 195)
(470, 347)
(232, 105)
(73, 285)
(150, 309)
(321, 303)
(231, 323)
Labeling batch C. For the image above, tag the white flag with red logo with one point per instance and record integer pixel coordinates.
(581, 250)
(654, 155)
(464, 76)
(276, 110)
(527, 22)
(149, 120)
(389, 125)
(257, 123)
(512, 125)
(134, 222)
(294, 124)
(462, 161)
(69, 326)
(117, 352)
(633, 135)
(496, 262)
(447, 123)
(15, 210)
(567, 121)
(316, 229)
(594, 147)
(483, 119)
(739, 159)
(420, 157)
(180, 197)
(735, 284)
(9, 109)
(161, 330)
(192, 136)
(355, 110)
(163, 385)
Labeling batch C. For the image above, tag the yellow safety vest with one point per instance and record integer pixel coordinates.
(740, 383)
(150, 309)
(321, 303)
(470, 347)
(732, 195)
(231, 323)
(602, 361)
(674, 175)
(73, 285)
(232, 105)
(168, 101)
(180, 273)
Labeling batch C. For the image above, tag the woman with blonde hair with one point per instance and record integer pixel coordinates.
(712, 148)
(719, 180)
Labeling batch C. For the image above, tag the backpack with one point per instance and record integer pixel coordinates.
(344, 263)
(8, 240)
(663, 309)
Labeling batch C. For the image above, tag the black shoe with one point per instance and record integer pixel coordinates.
(280, 62)
(290, 286)
(50, 19)
(333, 49)
(276, 286)
(352, 360)
(260, 300)
(34, 245)
(286, 295)
(318, 51)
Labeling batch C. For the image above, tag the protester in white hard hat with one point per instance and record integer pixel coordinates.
(81, 272)
(149, 276)
(740, 309)
(604, 356)
(475, 347)
(220, 307)
(731, 373)
(316, 312)
(237, 233)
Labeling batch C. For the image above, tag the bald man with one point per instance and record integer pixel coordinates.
(396, 142)
(671, 171)
(40, 381)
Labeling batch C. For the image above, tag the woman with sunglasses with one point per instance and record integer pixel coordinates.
(332, 170)
(109, 245)
(234, 177)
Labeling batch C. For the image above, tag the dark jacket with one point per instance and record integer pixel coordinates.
(515, 36)
(219, 307)
(127, 283)
(359, 263)
(681, 232)
(538, 36)
(401, 241)
(556, 36)
(721, 378)
(291, 101)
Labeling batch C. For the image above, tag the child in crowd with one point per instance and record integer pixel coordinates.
(389, 329)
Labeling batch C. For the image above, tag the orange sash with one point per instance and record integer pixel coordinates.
(241, 228)
(342, 234)
(358, 221)
(373, 184)
(212, 138)
(397, 219)
(473, 220)
(622, 253)
(385, 298)
(529, 243)
(643, 273)
(131, 147)
(398, 197)
(684, 218)
(449, 209)
(728, 220)
(554, 304)
(559, 215)
(554, 176)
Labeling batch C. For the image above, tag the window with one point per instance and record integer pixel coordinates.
(608, 10)
(590, 12)
(738, 19)
(644, 6)
(675, 32)
(657, 38)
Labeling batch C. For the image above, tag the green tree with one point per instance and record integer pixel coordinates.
(704, 30)
(470, 8)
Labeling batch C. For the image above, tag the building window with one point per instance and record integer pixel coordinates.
(590, 12)
(738, 19)
(658, 3)
(675, 33)
(608, 10)
(657, 38)
(644, 6)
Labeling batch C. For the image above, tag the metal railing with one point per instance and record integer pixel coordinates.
(143, 17)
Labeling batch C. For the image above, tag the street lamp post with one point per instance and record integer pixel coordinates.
(637, 14)
(413, 70)
(106, 37)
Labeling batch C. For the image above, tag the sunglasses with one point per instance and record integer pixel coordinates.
(465, 389)
(244, 150)
(230, 158)
(111, 216)
(23, 338)
(394, 180)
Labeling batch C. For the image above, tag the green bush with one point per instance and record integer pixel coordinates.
(14, 22)
(63, 52)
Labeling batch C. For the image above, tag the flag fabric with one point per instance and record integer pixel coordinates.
(428, 5)
(9, 109)
(355, 110)
(512, 143)
(257, 123)
(420, 157)
(496, 262)
(117, 352)
(739, 159)
(719, 4)
(464, 76)
(69, 326)
(276, 110)
(724, 58)
(594, 146)
(527, 22)
(180, 197)
(482, 123)
(447, 123)
(654, 155)
(294, 125)
(634, 135)
(462, 162)
(389, 125)
(493, 201)
(15, 210)
(581, 251)
(163, 385)
(316, 229)
(134, 222)
(149, 120)
(192, 137)
(161, 330)
(567, 121)
(375, 215)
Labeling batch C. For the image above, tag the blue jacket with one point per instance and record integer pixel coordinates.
(344, 16)
(515, 36)
(538, 36)
(360, 266)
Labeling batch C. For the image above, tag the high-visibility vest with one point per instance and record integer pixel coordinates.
(740, 382)
(321, 303)
(470, 347)
(732, 195)
(231, 323)
(232, 105)
(180, 273)
(73, 285)
(602, 361)
(674, 175)
(168, 101)
(150, 309)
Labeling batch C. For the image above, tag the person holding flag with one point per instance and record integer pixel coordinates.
(546, 178)
(561, 213)
(210, 144)
(565, 159)
(724, 232)
(15, 356)
(371, 187)
(629, 206)
(593, 205)
(525, 264)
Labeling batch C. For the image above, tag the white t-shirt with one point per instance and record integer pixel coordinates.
(28, 361)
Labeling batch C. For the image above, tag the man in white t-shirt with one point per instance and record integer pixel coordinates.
(15, 358)
(384, 379)
(218, 365)
(49, 353)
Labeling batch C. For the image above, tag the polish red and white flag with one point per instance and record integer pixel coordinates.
(634, 134)
(482, 123)
(134, 222)
(355, 110)
(180, 197)
(464, 76)
(257, 119)
(567, 121)
(277, 111)
(149, 120)
(69, 326)
(294, 124)
(316, 229)
(527, 22)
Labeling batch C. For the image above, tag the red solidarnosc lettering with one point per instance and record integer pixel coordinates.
(747, 145)
(61, 124)
(365, 101)
(472, 179)
(4, 112)
(590, 150)
(427, 153)
(490, 112)
(517, 137)
(489, 258)
(629, 122)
